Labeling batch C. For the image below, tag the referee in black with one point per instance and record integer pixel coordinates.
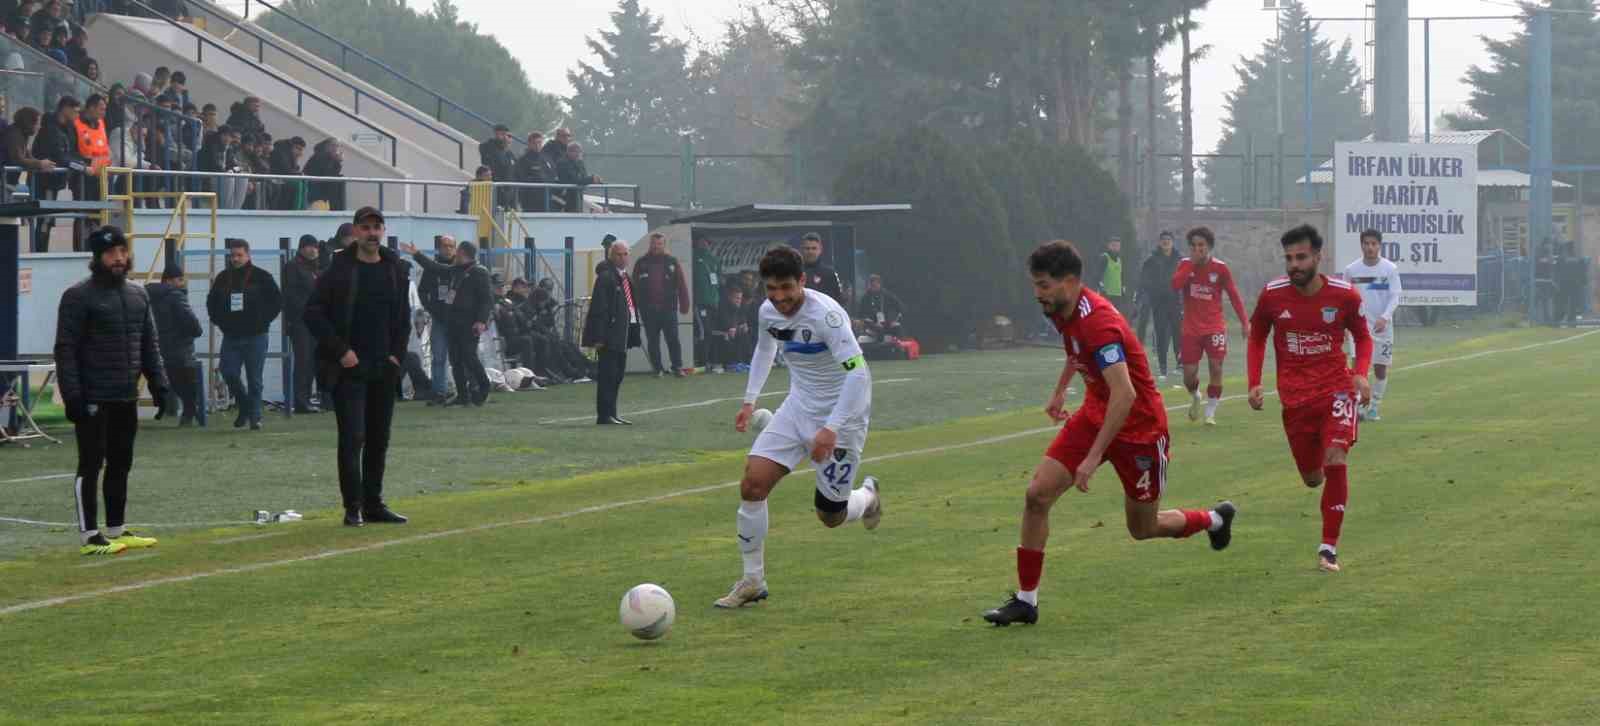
(360, 314)
(105, 338)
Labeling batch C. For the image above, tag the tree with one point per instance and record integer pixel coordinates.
(469, 68)
(744, 108)
(1252, 107)
(953, 261)
(1499, 97)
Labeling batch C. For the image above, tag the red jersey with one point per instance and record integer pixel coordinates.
(1096, 336)
(1308, 335)
(1201, 291)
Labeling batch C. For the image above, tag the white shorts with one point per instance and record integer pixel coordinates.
(787, 441)
(1382, 345)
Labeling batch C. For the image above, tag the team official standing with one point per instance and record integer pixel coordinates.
(299, 279)
(663, 295)
(360, 314)
(611, 329)
(106, 338)
(820, 276)
(1378, 281)
(1308, 314)
(243, 301)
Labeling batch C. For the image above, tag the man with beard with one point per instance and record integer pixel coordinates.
(361, 361)
(820, 276)
(105, 338)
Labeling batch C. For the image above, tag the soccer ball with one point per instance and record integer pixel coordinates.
(647, 611)
(760, 418)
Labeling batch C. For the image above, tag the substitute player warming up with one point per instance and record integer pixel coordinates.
(1201, 281)
(1378, 281)
(1307, 314)
(1121, 421)
(824, 417)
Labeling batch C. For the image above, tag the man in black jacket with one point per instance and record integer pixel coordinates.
(105, 338)
(879, 313)
(57, 142)
(533, 167)
(243, 302)
(820, 276)
(299, 279)
(611, 329)
(468, 305)
(360, 314)
(572, 170)
(177, 327)
(496, 153)
(1157, 301)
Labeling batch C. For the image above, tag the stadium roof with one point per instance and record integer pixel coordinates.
(792, 213)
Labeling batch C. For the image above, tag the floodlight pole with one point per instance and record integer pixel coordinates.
(1540, 162)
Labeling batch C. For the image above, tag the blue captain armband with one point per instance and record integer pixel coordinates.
(1109, 355)
(854, 362)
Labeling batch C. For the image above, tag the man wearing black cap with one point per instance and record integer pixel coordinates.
(105, 338)
(243, 302)
(299, 279)
(360, 313)
(611, 329)
(469, 303)
(177, 327)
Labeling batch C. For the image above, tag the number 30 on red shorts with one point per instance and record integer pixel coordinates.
(1314, 427)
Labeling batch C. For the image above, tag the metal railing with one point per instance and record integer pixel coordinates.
(345, 50)
(201, 40)
(263, 42)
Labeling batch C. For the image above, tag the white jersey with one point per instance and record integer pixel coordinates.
(815, 344)
(1379, 286)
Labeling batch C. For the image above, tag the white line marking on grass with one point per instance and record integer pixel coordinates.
(698, 404)
(250, 537)
(171, 525)
(116, 559)
(36, 478)
(429, 536)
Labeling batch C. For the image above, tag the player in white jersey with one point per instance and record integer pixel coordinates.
(824, 417)
(1378, 281)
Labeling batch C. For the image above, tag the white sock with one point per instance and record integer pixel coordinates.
(1030, 597)
(1211, 406)
(1328, 548)
(113, 532)
(1378, 388)
(859, 499)
(753, 539)
(1216, 521)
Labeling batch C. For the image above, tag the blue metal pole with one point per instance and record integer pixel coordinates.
(1540, 161)
(568, 287)
(1427, 84)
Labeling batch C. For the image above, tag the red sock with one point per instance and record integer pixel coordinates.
(1195, 521)
(1335, 492)
(1213, 391)
(1030, 567)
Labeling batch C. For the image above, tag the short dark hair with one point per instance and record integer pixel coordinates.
(481, 170)
(782, 263)
(209, 108)
(93, 99)
(1303, 233)
(1056, 258)
(502, 127)
(1167, 233)
(178, 77)
(811, 236)
(1203, 233)
(67, 102)
(233, 242)
(1375, 234)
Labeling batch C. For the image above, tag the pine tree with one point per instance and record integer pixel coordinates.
(1252, 110)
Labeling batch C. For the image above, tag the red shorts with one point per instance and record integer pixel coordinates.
(1315, 427)
(1209, 345)
(1141, 467)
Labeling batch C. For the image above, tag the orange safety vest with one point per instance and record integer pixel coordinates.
(92, 143)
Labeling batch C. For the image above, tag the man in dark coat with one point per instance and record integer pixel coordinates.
(663, 295)
(496, 153)
(327, 160)
(820, 276)
(534, 167)
(468, 307)
(432, 288)
(243, 302)
(299, 280)
(360, 314)
(177, 327)
(573, 170)
(105, 339)
(1158, 302)
(57, 142)
(611, 329)
(879, 313)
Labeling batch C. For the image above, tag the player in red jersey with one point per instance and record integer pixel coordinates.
(1121, 422)
(1201, 281)
(1307, 314)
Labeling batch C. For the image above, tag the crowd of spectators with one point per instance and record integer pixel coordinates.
(558, 160)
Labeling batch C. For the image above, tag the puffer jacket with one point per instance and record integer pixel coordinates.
(106, 337)
(176, 324)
